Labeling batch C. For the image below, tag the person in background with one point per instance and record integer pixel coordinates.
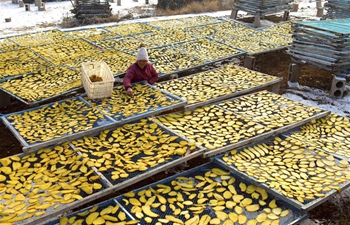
(141, 70)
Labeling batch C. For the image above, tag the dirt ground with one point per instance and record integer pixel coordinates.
(333, 212)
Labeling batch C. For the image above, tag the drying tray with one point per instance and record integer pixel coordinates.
(271, 132)
(321, 139)
(322, 64)
(130, 28)
(6, 44)
(222, 97)
(91, 34)
(112, 188)
(306, 206)
(264, 3)
(34, 61)
(167, 56)
(321, 55)
(184, 22)
(63, 54)
(99, 121)
(103, 121)
(34, 159)
(261, 11)
(43, 99)
(203, 50)
(240, 122)
(325, 50)
(294, 216)
(260, 42)
(101, 206)
(127, 43)
(120, 117)
(339, 27)
(135, 176)
(117, 61)
(39, 38)
(311, 33)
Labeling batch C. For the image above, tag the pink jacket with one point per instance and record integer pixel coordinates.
(135, 74)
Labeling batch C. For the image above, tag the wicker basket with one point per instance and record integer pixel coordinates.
(101, 89)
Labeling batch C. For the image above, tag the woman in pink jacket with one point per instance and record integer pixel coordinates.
(141, 70)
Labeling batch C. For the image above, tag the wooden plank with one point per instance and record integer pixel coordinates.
(318, 26)
(337, 71)
(299, 30)
(313, 59)
(321, 49)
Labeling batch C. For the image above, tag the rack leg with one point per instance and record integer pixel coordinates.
(319, 12)
(295, 7)
(249, 62)
(256, 21)
(276, 88)
(285, 15)
(174, 76)
(294, 72)
(234, 13)
(4, 99)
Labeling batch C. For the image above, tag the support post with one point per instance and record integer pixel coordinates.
(319, 12)
(234, 13)
(42, 6)
(249, 62)
(27, 7)
(295, 7)
(119, 2)
(21, 3)
(4, 99)
(276, 88)
(256, 21)
(286, 15)
(318, 4)
(294, 72)
(174, 76)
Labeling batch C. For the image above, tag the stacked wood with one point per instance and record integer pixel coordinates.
(324, 44)
(337, 9)
(262, 7)
(91, 8)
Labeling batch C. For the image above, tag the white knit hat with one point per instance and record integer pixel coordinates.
(142, 54)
